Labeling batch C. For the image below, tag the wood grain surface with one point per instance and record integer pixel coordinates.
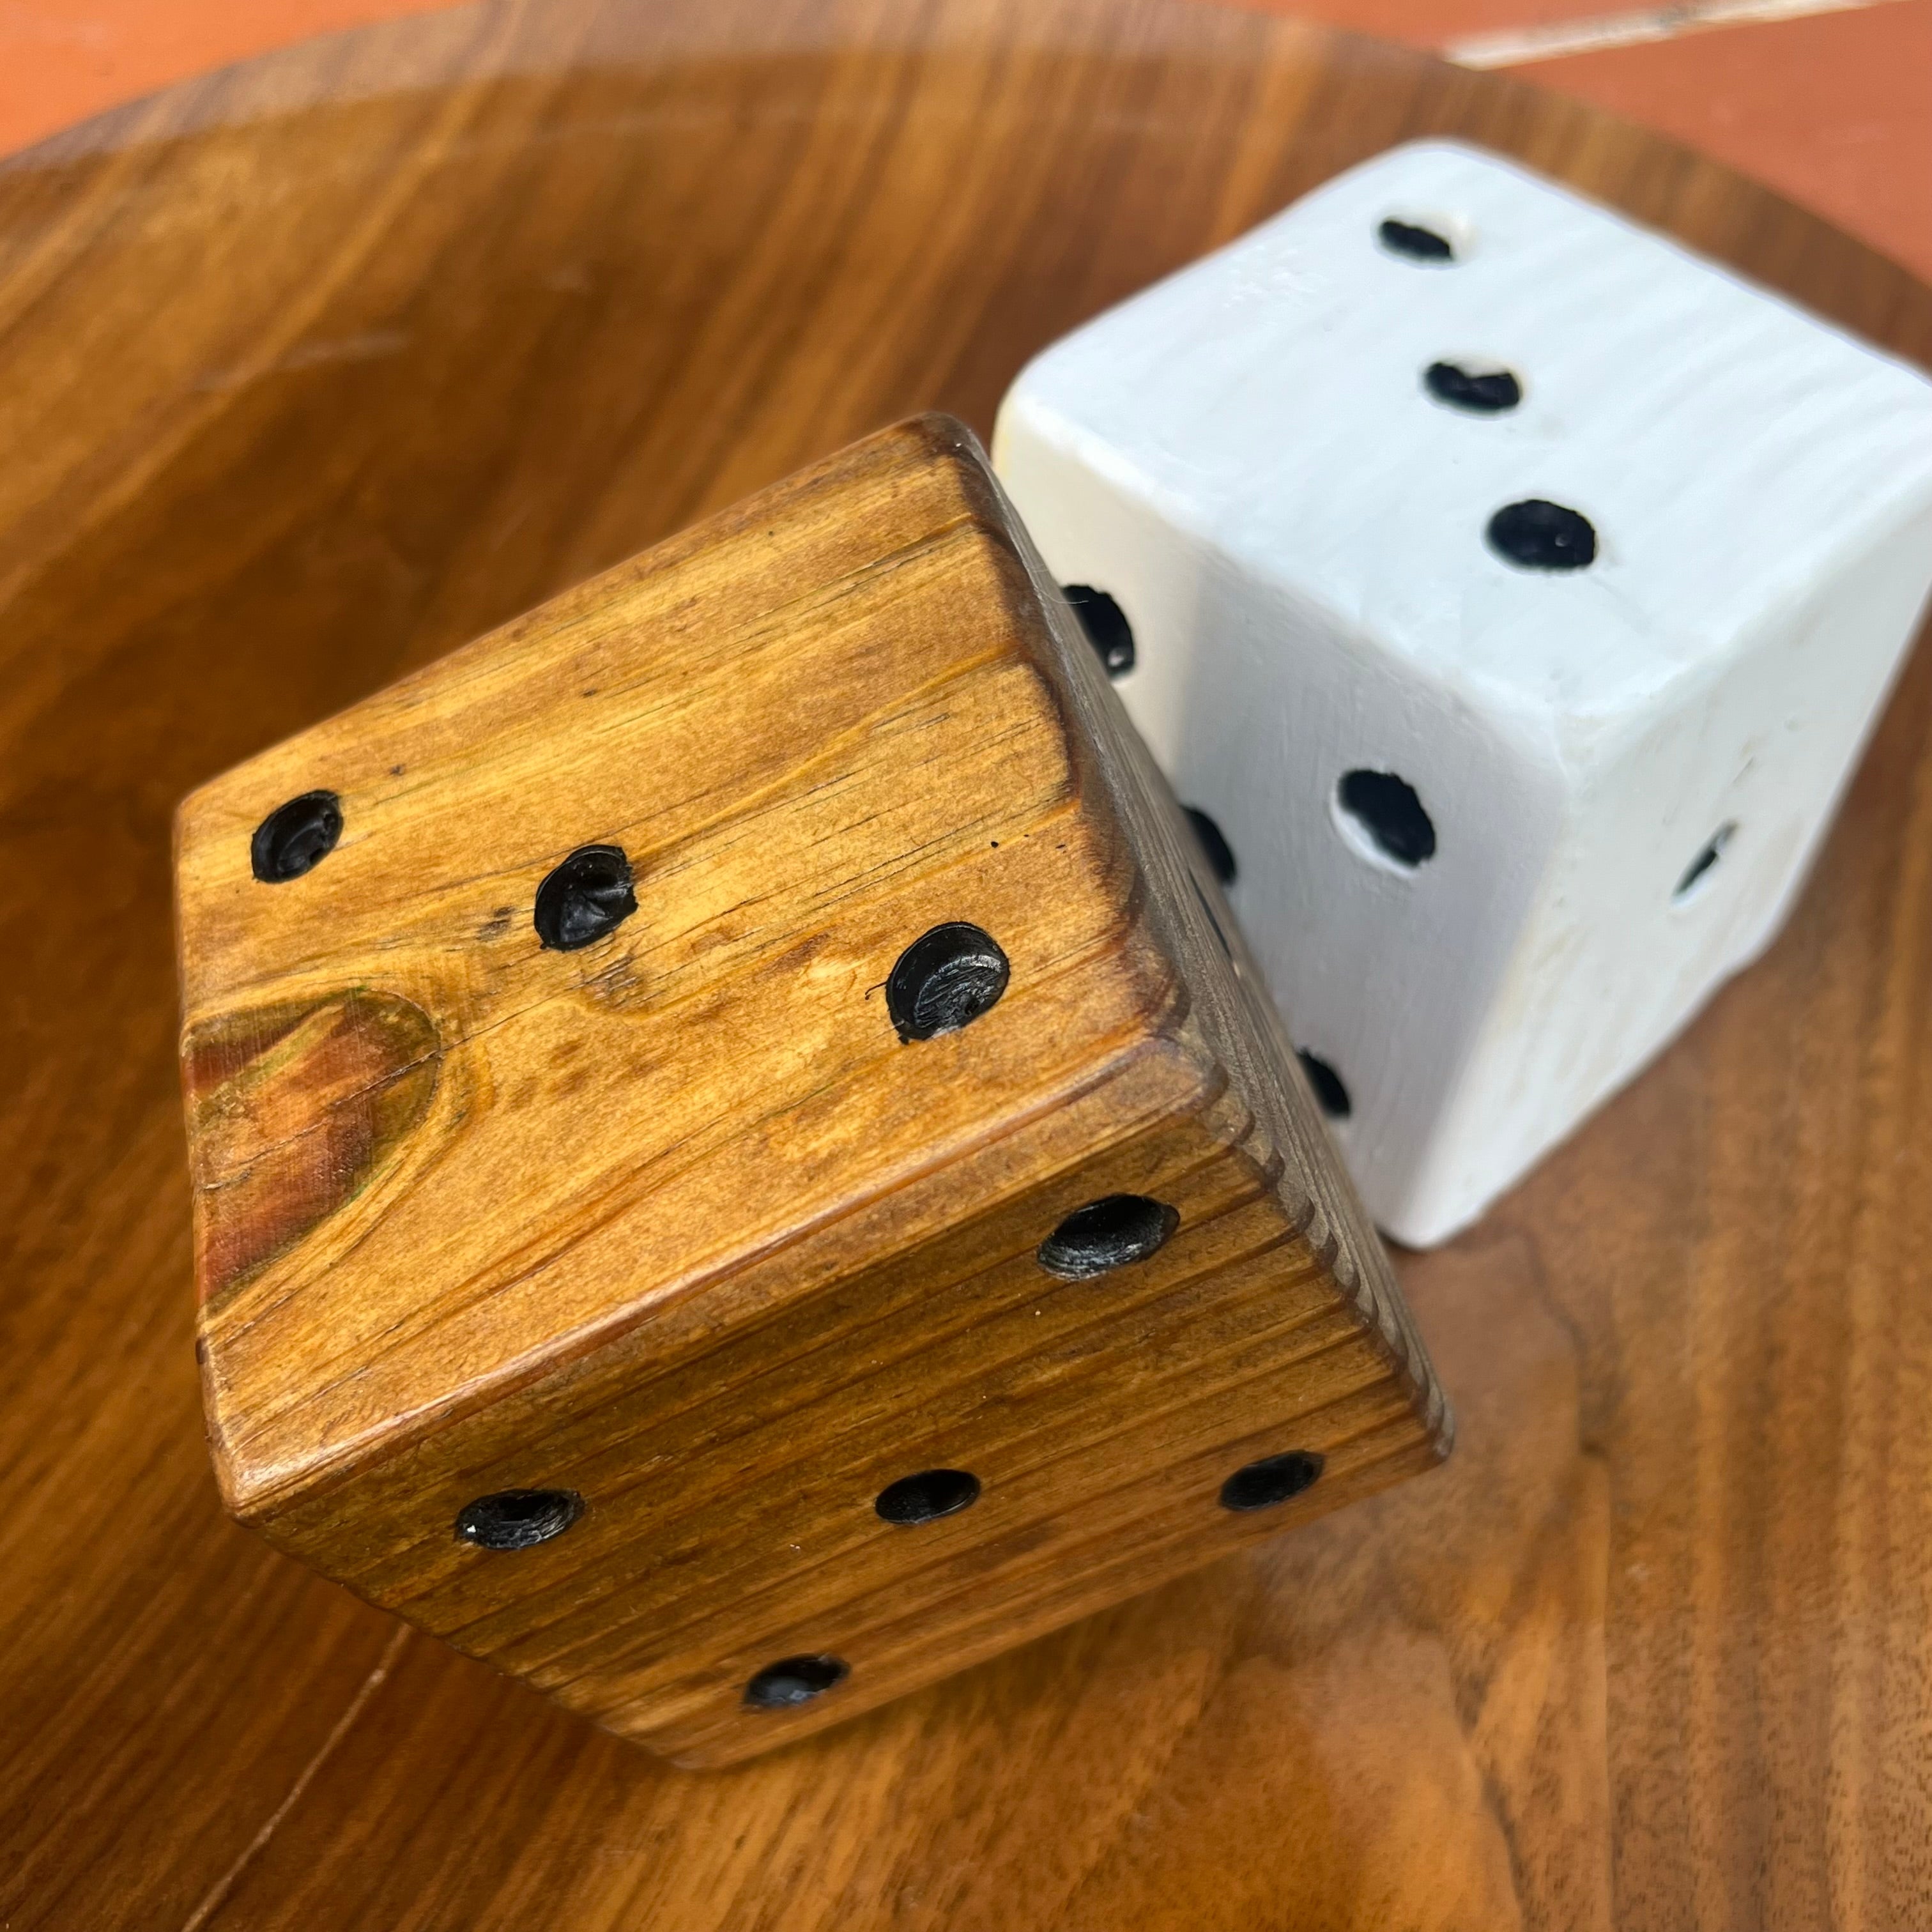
(683, 1221)
(315, 369)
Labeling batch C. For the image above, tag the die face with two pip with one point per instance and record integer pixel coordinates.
(1514, 590)
(740, 1165)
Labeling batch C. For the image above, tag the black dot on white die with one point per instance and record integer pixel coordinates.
(945, 980)
(1113, 1232)
(1220, 855)
(1331, 1096)
(793, 1680)
(1481, 392)
(517, 1519)
(1699, 867)
(927, 1496)
(1106, 625)
(295, 838)
(587, 896)
(1274, 1479)
(1537, 535)
(1390, 813)
(1414, 242)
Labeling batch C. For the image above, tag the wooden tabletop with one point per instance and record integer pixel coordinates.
(313, 370)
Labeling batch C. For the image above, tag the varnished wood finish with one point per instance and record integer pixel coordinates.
(674, 1220)
(304, 383)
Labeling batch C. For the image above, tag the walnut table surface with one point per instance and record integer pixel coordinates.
(317, 367)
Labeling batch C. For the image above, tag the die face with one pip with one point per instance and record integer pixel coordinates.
(1515, 591)
(738, 1169)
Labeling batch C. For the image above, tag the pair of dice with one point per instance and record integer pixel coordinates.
(741, 1162)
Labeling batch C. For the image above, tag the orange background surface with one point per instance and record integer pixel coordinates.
(1835, 109)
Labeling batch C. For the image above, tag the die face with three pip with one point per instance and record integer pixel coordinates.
(1515, 590)
(740, 1166)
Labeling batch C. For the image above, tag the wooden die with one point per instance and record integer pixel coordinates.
(740, 1165)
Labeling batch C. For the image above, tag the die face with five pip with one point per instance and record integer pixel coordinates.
(739, 1166)
(1515, 591)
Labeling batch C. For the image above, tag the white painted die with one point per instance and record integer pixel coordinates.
(1607, 777)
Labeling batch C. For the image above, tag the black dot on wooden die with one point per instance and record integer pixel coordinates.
(1113, 1232)
(1331, 1096)
(295, 838)
(1486, 392)
(793, 1680)
(1537, 534)
(1414, 242)
(1220, 855)
(1389, 812)
(517, 1519)
(927, 1496)
(1260, 1486)
(1106, 625)
(945, 980)
(587, 896)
